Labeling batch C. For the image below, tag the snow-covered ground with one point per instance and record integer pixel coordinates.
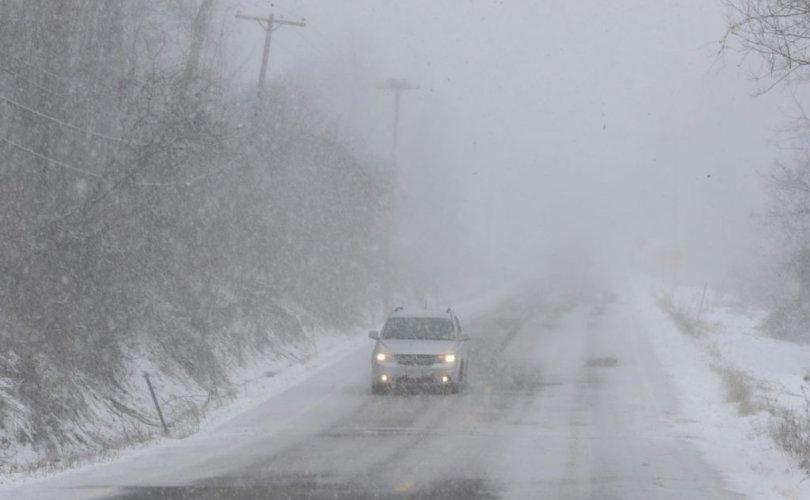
(258, 379)
(670, 395)
(733, 380)
(563, 400)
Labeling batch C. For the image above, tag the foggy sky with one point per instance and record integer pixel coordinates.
(592, 136)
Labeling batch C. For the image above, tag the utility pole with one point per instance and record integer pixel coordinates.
(397, 86)
(269, 24)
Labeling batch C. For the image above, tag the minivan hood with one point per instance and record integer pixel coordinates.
(403, 346)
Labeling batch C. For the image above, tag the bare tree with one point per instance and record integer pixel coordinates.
(135, 208)
(202, 20)
(776, 30)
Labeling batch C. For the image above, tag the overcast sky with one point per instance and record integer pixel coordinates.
(545, 133)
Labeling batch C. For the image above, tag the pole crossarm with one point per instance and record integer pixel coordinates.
(302, 23)
(398, 84)
(251, 18)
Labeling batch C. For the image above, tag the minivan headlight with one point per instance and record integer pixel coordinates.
(449, 358)
(381, 357)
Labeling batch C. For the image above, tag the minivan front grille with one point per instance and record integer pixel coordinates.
(416, 359)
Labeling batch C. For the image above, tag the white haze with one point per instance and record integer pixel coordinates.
(590, 137)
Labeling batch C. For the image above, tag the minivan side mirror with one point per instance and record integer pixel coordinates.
(374, 335)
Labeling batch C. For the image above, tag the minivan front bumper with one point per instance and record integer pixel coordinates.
(392, 374)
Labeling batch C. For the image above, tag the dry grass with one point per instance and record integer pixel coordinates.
(740, 390)
(686, 321)
(791, 431)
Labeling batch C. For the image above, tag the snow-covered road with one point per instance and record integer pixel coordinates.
(566, 399)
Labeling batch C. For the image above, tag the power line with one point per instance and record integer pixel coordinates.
(114, 114)
(194, 180)
(189, 182)
(310, 44)
(37, 68)
(110, 91)
(293, 52)
(324, 38)
(241, 67)
(61, 122)
(33, 83)
(50, 160)
(69, 81)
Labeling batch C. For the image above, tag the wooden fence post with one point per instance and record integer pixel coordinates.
(154, 399)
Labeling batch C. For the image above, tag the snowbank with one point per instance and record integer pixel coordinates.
(732, 382)
(257, 379)
(131, 426)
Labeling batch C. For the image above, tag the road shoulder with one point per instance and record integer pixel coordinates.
(735, 442)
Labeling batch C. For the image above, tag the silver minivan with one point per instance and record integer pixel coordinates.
(419, 347)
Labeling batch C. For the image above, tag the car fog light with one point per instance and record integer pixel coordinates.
(445, 379)
(384, 378)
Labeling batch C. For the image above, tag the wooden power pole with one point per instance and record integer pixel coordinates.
(268, 24)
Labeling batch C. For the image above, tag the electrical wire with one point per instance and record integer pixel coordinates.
(34, 67)
(95, 109)
(311, 44)
(70, 81)
(194, 180)
(50, 160)
(33, 83)
(60, 122)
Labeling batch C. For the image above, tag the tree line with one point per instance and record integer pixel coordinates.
(776, 33)
(143, 200)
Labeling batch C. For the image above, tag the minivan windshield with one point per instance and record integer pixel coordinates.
(418, 329)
